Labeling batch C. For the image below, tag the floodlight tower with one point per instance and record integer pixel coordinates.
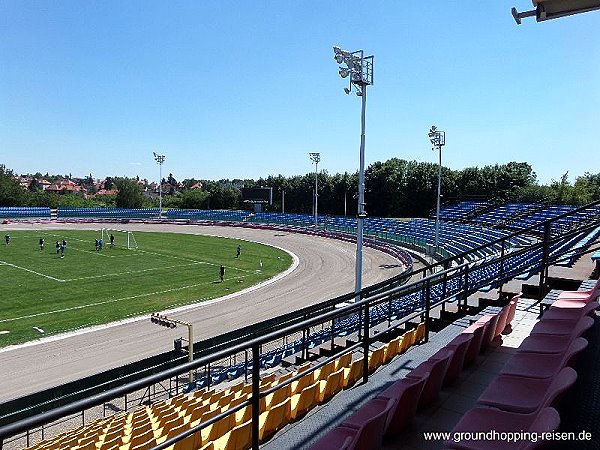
(160, 159)
(438, 140)
(316, 157)
(359, 69)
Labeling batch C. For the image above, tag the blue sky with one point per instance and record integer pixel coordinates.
(243, 89)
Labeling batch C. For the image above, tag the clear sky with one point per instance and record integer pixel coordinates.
(243, 89)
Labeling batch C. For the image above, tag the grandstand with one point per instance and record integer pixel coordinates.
(250, 383)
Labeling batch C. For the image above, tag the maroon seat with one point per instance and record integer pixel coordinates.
(568, 310)
(489, 321)
(475, 345)
(370, 420)
(493, 422)
(436, 367)
(406, 392)
(340, 438)
(502, 319)
(546, 343)
(460, 345)
(363, 430)
(526, 395)
(563, 326)
(513, 309)
(542, 365)
(589, 294)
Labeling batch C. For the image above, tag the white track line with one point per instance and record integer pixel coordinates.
(114, 300)
(4, 263)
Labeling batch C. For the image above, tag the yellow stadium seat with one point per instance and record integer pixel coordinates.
(420, 332)
(393, 349)
(139, 441)
(276, 397)
(273, 419)
(195, 413)
(240, 438)
(328, 388)
(324, 371)
(376, 359)
(352, 374)
(243, 415)
(303, 402)
(301, 383)
(411, 336)
(343, 361)
(285, 377)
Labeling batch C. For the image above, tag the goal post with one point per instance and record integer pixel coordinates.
(123, 238)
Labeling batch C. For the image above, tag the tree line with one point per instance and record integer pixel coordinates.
(394, 188)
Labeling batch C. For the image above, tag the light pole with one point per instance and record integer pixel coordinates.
(160, 159)
(170, 322)
(438, 139)
(359, 69)
(316, 157)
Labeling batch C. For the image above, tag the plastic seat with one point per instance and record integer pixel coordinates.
(545, 343)
(301, 403)
(420, 332)
(485, 420)
(352, 374)
(330, 387)
(489, 322)
(562, 326)
(435, 370)
(568, 311)
(343, 361)
(526, 395)
(361, 431)
(512, 309)
(301, 383)
(406, 392)
(460, 345)
(542, 365)
(276, 397)
(272, 420)
(475, 344)
(502, 320)
(324, 371)
(240, 438)
(376, 359)
(392, 349)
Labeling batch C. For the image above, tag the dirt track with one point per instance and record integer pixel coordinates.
(325, 269)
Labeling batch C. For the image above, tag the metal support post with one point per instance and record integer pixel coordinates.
(255, 395)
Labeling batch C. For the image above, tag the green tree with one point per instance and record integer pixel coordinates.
(194, 199)
(130, 193)
(11, 192)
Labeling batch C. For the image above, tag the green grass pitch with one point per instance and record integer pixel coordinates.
(44, 294)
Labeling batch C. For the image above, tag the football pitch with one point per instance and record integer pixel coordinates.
(44, 294)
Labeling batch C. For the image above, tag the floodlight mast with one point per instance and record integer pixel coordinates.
(171, 322)
(160, 159)
(359, 69)
(438, 140)
(316, 157)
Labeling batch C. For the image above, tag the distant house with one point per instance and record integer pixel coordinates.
(197, 186)
(65, 186)
(107, 192)
(43, 183)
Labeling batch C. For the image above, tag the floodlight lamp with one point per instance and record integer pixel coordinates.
(339, 58)
(344, 72)
(347, 91)
(356, 76)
